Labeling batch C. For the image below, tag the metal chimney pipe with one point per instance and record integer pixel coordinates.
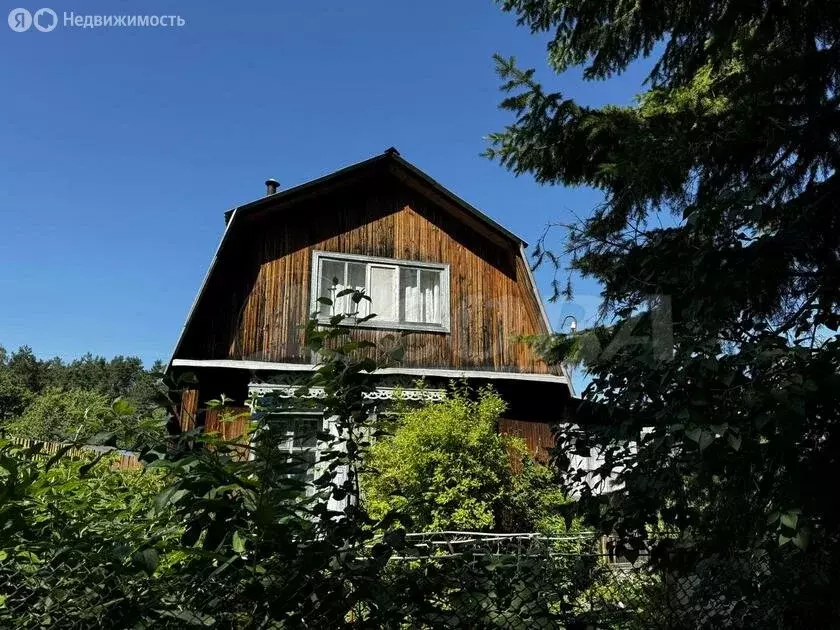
(271, 186)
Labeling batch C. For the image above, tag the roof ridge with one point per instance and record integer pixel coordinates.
(391, 154)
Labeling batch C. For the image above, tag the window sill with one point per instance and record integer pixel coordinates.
(398, 326)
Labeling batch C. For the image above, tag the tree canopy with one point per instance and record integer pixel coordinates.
(56, 400)
(717, 247)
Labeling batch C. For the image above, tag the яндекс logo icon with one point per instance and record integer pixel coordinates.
(45, 20)
(20, 20)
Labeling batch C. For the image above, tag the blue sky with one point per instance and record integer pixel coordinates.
(122, 147)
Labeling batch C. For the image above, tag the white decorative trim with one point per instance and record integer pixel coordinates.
(237, 364)
(446, 373)
(381, 393)
(544, 313)
(417, 372)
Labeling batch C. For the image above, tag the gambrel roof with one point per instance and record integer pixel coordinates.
(392, 162)
(386, 165)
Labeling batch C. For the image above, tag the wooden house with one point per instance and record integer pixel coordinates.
(433, 265)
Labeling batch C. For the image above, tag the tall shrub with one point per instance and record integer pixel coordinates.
(446, 467)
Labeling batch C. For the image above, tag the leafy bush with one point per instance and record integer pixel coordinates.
(79, 414)
(535, 500)
(74, 500)
(443, 466)
(61, 415)
(75, 534)
(14, 396)
(446, 467)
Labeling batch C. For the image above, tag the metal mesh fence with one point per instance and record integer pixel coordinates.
(442, 580)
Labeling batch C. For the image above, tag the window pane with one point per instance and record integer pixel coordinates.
(356, 276)
(395, 292)
(305, 433)
(297, 438)
(420, 296)
(409, 295)
(430, 296)
(331, 282)
(303, 466)
(381, 292)
(356, 273)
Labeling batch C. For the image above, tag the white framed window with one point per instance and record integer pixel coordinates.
(298, 438)
(297, 433)
(404, 295)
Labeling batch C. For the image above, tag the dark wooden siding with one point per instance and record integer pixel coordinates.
(259, 296)
(231, 424)
(189, 409)
(536, 435)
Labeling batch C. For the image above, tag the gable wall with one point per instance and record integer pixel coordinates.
(259, 295)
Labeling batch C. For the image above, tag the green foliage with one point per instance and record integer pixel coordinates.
(51, 400)
(73, 537)
(78, 415)
(720, 198)
(204, 537)
(535, 500)
(120, 377)
(639, 600)
(24, 367)
(114, 378)
(487, 590)
(63, 416)
(14, 397)
(68, 502)
(446, 468)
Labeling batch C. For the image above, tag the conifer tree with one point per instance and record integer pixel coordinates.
(720, 200)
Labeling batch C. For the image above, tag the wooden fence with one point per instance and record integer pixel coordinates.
(230, 423)
(126, 460)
